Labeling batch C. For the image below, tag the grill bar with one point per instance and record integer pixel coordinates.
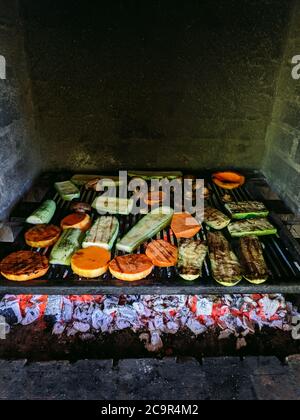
(281, 253)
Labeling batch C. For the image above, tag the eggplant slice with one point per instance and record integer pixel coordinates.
(215, 219)
(255, 267)
(191, 259)
(225, 265)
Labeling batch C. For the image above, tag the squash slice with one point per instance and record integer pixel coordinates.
(80, 221)
(90, 262)
(24, 266)
(42, 236)
(185, 226)
(131, 267)
(162, 253)
(228, 180)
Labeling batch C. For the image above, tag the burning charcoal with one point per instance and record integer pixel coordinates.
(10, 316)
(81, 327)
(204, 307)
(10, 309)
(58, 329)
(53, 312)
(196, 327)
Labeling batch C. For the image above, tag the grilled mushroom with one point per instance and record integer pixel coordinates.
(79, 207)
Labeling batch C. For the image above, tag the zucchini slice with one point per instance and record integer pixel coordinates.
(44, 214)
(247, 210)
(255, 267)
(191, 259)
(113, 205)
(215, 219)
(145, 229)
(67, 190)
(225, 265)
(67, 245)
(103, 233)
(251, 227)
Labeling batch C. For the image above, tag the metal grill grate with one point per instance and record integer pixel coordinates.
(281, 255)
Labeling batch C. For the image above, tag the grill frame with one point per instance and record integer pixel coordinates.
(282, 255)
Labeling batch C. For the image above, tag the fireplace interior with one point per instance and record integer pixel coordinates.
(159, 85)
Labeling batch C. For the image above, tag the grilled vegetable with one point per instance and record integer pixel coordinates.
(145, 229)
(228, 180)
(79, 207)
(147, 176)
(69, 242)
(43, 214)
(131, 267)
(215, 219)
(101, 182)
(155, 197)
(112, 205)
(191, 258)
(255, 268)
(251, 227)
(103, 233)
(247, 210)
(90, 262)
(184, 225)
(67, 190)
(24, 266)
(82, 179)
(162, 253)
(225, 266)
(80, 221)
(42, 236)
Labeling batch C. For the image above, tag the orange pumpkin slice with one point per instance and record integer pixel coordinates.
(162, 253)
(131, 267)
(80, 221)
(42, 236)
(185, 226)
(24, 266)
(90, 262)
(228, 180)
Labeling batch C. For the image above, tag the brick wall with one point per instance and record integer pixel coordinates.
(18, 147)
(282, 162)
(173, 84)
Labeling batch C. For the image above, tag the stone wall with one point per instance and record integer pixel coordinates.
(282, 162)
(18, 148)
(154, 84)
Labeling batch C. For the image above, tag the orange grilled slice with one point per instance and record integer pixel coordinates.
(162, 253)
(24, 266)
(90, 262)
(80, 221)
(42, 236)
(131, 267)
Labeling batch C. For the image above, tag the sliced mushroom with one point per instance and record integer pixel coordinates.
(79, 207)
